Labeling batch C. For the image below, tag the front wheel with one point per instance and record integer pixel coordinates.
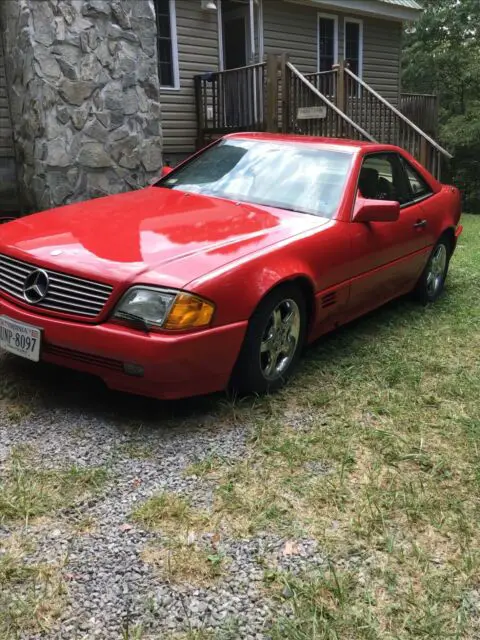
(273, 342)
(432, 280)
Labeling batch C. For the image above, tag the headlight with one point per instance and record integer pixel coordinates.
(169, 310)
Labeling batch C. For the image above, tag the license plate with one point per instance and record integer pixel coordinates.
(20, 339)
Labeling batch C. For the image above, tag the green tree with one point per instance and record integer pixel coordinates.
(442, 56)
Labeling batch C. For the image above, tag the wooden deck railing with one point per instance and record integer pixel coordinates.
(422, 109)
(232, 100)
(325, 82)
(310, 112)
(388, 125)
(275, 95)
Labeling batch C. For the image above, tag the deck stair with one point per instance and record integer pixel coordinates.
(276, 96)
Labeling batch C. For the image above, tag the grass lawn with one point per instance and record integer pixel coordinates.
(371, 453)
(372, 450)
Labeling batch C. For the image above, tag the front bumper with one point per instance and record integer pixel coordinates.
(174, 366)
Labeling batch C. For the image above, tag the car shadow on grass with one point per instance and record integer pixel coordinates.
(45, 386)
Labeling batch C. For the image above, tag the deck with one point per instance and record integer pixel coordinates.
(276, 96)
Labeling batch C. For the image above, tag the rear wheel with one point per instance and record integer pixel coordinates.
(432, 280)
(273, 343)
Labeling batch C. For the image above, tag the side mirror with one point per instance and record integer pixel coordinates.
(376, 211)
(165, 171)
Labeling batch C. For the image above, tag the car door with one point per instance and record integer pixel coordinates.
(430, 203)
(386, 257)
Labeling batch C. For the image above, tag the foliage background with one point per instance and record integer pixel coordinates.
(442, 55)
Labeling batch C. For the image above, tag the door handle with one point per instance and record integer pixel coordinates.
(420, 224)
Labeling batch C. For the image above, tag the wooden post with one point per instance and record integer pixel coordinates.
(436, 113)
(199, 107)
(285, 84)
(424, 153)
(341, 94)
(272, 93)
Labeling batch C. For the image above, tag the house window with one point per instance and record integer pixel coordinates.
(167, 43)
(354, 45)
(327, 42)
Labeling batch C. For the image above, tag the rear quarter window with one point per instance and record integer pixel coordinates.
(418, 187)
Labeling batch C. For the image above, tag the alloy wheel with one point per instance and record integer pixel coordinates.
(280, 339)
(436, 272)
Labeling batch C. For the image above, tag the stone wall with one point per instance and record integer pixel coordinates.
(8, 187)
(84, 94)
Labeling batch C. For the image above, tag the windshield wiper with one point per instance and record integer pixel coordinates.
(135, 320)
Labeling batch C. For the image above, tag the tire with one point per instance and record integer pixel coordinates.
(277, 326)
(432, 281)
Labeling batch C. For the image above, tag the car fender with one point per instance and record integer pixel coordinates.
(442, 211)
(317, 260)
(238, 289)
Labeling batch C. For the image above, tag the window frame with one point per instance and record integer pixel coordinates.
(361, 42)
(405, 163)
(400, 159)
(174, 44)
(333, 18)
(397, 156)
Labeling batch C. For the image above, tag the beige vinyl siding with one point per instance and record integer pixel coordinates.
(197, 34)
(6, 139)
(293, 28)
(381, 58)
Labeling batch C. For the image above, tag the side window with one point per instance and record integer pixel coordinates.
(418, 187)
(381, 178)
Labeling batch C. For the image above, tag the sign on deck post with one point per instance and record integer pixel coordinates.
(311, 113)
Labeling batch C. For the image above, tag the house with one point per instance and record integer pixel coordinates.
(207, 37)
(102, 92)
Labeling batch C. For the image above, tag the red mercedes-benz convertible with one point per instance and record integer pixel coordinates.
(220, 272)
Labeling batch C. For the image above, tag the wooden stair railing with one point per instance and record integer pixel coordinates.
(275, 95)
(304, 101)
(389, 125)
(325, 82)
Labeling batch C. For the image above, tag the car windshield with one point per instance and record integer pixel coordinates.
(294, 176)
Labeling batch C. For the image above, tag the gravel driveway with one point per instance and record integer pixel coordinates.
(66, 419)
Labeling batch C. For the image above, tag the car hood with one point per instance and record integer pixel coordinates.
(155, 235)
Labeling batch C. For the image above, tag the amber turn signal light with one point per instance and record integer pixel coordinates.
(189, 312)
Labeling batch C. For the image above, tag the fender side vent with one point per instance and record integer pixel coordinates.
(329, 299)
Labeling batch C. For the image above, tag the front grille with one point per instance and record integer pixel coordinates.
(66, 294)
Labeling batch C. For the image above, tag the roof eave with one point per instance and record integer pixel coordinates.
(372, 8)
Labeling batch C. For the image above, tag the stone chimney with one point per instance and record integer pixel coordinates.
(84, 92)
